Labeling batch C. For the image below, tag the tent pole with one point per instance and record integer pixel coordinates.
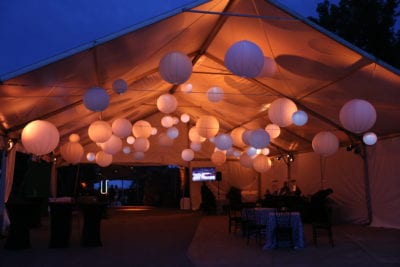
(364, 156)
(2, 189)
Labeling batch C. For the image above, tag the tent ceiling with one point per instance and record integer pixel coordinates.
(317, 71)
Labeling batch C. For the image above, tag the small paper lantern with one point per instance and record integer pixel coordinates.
(244, 59)
(265, 151)
(269, 68)
(119, 86)
(142, 128)
(126, 150)
(245, 160)
(99, 131)
(357, 115)
(223, 141)
(246, 137)
(273, 130)
(218, 157)
(90, 156)
(175, 68)
(207, 126)
(236, 135)
(130, 140)
(167, 103)
(187, 154)
(141, 144)
(187, 88)
(40, 137)
(154, 131)
(281, 110)
(103, 159)
(74, 138)
(215, 94)
(195, 146)
(325, 143)
(138, 155)
(370, 138)
(251, 151)
(172, 132)
(96, 99)
(164, 140)
(167, 121)
(112, 146)
(259, 138)
(71, 152)
(185, 118)
(194, 135)
(299, 118)
(121, 127)
(262, 163)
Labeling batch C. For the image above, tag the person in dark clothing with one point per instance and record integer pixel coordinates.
(208, 203)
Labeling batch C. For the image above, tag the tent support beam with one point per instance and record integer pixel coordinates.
(367, 184)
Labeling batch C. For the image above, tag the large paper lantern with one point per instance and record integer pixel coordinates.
(215, 94)
(142, 128)
(244, 59)
(299, 118)
(236, 135)
(187, 154)
(223, 141)
(269, 68)
(112, 146)
(245, 160)
(103, 159)
(40, 137)
(71, 152)
(207, 126)
(261, 163)
(325, 143)
(99, 131)
(167, 103)
(164, 140)
(175, 68)
(218, 157)
(246, 137)
(74, 138)
(370, 138)
(173, 132)
(195, 146)
(281, 110)
(141, 144)
(121, 127)
(119, 86)
(194, 135)
(357, 115)
(90, 156)
(259, 138)
(167, 121)
(273, 130)
(96, 99)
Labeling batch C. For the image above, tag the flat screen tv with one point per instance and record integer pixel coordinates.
(200, 174)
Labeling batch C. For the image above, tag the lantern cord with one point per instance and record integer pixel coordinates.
(322, 161)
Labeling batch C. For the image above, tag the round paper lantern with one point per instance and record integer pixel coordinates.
(259, 138)
(194, 135)
(74, 138)
(218, 157)
(126, 150)
(142, 129)
(281, 110)
(223, 141)
(72, 152)
(90, 156)
(172, 132)
(138, 155)
(246, 137)
(112, 146)
(130, 140)
(357, 115)
(245, 160)
(167, 103)
(325, 143)
(262, 163)
(251, 151)
(187, 88)
(99, 131)
(244, 59)
(167, 121)
(119, 86)
(96, 99)
(215, 94)
(103, 159)
(187, 154)
(141, 144)
(185, 118)
(175, 68)
(370, 138)
(269, 68)
(195, 146)
(40, 137)
(154, 131)
(299, 118)
(273, 130)
(121, 127)
(265, 151)
(236, 135)
(164, 140)
(175, 120)
(207, 126)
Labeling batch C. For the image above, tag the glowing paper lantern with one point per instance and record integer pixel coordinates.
(299, 118)
(154, 131)
(246, 137)
(194, 135)
(265, 151)
(175, 68)
(103, 159)
(273, 130)
(90, 156)
(130, 140)
(245, 160)
(357, 115)
(269, 68)
(281, 110)
(259, 138)
(370, 138)
(142, 129)
(218, 157)
(71, 152)
(251, 151)
(244, 59)
(262, 163)
(74, 138)
(195, 146)
(236, 135)
(172, 132)
(187, 88)
(138, 155)
(112, 146)
(167, 103)
(121, 127)
(40, 137)
(164, 140)
(126, 150)
(96, 99)
(119, 86)
(141, 144)
(167, 121)
(99, 131)
(185, 118)
(215, 94)
(207, 126)
(223, 141)
(325, 143)
(187, 154)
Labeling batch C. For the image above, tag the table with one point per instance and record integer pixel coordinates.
(92, 215)
(61, 220)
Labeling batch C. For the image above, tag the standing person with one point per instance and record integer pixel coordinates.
(285, 190)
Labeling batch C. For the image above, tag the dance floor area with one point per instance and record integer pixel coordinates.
(166, 237)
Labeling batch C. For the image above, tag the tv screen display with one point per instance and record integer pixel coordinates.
(203, 174)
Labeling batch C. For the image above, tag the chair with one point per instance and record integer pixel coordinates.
(234, 218)
(252, 228)
(321, 220)
(283, 229)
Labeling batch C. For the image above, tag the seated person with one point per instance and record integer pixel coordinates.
(285, 190)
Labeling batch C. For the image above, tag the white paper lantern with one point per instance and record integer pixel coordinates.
(370, 138)
(325, 143)
(195, 146)
(154, 131)
(71, 152)
(299, 118)
(223, 141)
(74, 138)
(172, 132)
(138, 155)
(164, 140)
(215, 94)
(90, 156)
(141, 144)
(207, 126)
(245, 160)
(96, 99)
(99, 131)
(269, 68)
(236, 135)
(245, 59)
(265, 151)
(112, 146)
(185, 118)
(126, 150)
(175, 120)
(357, 116)
(142, 129)
(167, 103)
(218, 157)
(130, 140)
(273, 130)
(119, 86)
(187, 88)
(259, 138)
(175, 68)
(281, 110)
(121, 127)
(187, 154)
(194, 135)
(167, 121)
(40, 137)
(262, 163)
(103, 159)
